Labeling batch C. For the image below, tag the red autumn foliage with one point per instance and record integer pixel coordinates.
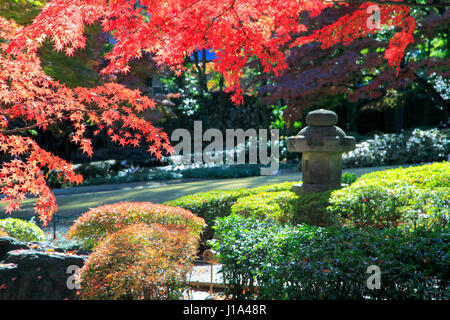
(99, 222)
(139, 262)
(169, 30)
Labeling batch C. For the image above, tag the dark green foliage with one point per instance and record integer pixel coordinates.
(267, 261)
(349, 178)
(214, 204)
(311, 209)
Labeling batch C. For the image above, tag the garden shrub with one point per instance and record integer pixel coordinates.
(349, 178)
(409, 198)
(22, 230)
(264, 260)
(428, 209)
(311, 209)
(426, 176)
(274, 206)
(140, 261)
(213, 204)
(98, 222)
(417, 146)
(3, 233)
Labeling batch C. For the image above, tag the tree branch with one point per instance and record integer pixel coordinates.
(391, 2)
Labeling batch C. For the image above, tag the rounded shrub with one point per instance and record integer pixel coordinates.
(214, 204)
(409, 198)
(95, 224)
(138, 262)
(369, 206)
(22, 230)
(274, 206)
(417, 146)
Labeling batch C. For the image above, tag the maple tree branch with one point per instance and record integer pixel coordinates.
(391, 2)
(27, 128)
(36, 125)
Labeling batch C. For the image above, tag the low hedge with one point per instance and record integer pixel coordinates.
(263, 260)
(22, 230)
(274, 206)
(96, 223)
(213, 204)
(287, 207)
(139, 262)
(435, 175)
(408, 198)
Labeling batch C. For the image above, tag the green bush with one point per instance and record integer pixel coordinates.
(22, 230)
(427, 210)
(274, 206)
(417, 146)
(427, 176)
(311, 209)
(213, 204)
(112, 171)
(264, 260)
(409, 198)
(349, 178)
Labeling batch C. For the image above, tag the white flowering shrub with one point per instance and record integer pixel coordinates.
(417, 146)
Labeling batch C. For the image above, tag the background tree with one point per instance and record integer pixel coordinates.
(345, 74)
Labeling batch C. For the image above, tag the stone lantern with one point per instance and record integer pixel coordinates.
(322, 145)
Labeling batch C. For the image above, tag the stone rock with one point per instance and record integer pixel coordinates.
(32, 274)
(321, 144)
(321, 118)
(8, 244)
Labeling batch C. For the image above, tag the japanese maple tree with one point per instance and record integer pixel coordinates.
(236, 30)
(316, 73)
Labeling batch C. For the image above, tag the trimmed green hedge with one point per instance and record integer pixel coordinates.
(433, 175)
(274, 206)
(409, 198)
(214, 204)
(264, 260)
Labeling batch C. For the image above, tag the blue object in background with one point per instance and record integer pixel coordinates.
(210, 55)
